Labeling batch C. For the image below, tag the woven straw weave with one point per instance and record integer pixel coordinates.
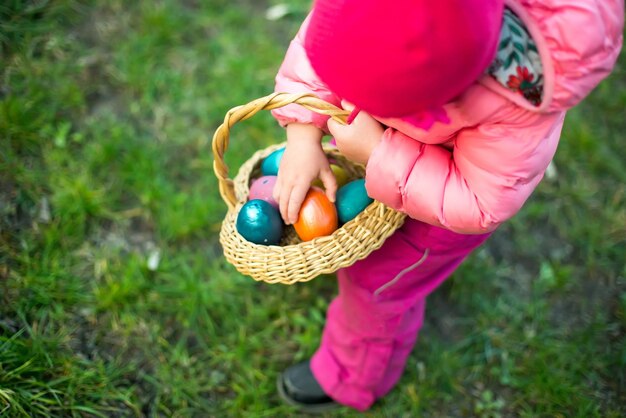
(293, 260)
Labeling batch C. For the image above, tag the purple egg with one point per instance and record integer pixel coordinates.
(262, 188)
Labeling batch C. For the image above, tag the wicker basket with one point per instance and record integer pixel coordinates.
(294, 261)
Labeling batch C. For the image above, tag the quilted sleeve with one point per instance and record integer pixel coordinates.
(483, 180)
(297, 76)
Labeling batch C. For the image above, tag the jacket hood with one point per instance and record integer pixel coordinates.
(579, 42)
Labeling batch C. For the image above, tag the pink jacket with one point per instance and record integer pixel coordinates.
(475, 172)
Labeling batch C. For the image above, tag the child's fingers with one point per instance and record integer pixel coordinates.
(295, 201)
(334, 127)
(330, 183)
(289, 201)
(283, 203)
(276, 192)
(347, 105)
(281, 196)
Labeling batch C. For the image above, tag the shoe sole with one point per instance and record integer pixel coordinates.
(304, 407)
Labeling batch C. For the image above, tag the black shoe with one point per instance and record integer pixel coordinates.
(298, 387)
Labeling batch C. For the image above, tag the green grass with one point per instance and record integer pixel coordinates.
(106, 115)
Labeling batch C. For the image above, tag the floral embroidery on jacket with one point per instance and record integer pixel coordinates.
(517, 65)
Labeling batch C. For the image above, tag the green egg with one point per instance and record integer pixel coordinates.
(260, 222)
(351, 200)
(271, 163)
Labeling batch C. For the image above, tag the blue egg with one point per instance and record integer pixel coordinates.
(260, 222)
(271, 163)
(351, 200)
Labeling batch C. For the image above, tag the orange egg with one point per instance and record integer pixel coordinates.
(317, 217)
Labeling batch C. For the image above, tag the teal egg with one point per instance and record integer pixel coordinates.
(351, 200)
(260, 222)
(271, 163)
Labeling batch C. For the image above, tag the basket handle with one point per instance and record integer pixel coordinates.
(243, 112)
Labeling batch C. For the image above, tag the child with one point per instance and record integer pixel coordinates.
(462, 107)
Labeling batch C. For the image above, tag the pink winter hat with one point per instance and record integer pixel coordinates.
(396, 58)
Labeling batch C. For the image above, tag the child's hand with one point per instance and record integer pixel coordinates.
(357, 140)
(304, 161)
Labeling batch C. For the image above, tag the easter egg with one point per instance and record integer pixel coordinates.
(262, 188)
(271, 163)
(317, 216)
(260, 222)
(351, 200)
(340, 175)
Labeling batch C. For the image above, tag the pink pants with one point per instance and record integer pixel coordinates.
(372, 325)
